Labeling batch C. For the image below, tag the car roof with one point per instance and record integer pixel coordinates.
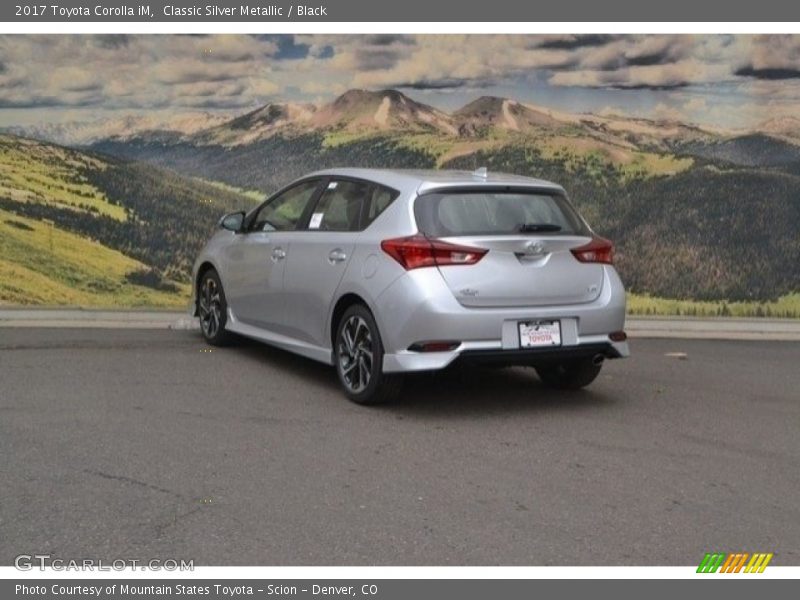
(421, 180)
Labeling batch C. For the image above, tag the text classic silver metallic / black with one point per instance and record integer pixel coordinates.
(385, 272)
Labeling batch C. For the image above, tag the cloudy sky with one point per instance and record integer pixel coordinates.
(723, 80)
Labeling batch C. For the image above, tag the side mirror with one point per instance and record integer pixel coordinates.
(233, 221)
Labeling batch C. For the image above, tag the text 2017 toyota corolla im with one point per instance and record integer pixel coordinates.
(384, 272)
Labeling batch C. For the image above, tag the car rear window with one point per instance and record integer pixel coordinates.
(483, 212)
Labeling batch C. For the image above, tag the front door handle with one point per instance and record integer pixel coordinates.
(336, 256)
(278, 254)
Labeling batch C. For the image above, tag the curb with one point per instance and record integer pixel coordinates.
(96, 319)
(722, 328)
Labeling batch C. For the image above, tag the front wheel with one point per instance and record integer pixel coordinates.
(212, 309)
(569, 375)
(358, 353)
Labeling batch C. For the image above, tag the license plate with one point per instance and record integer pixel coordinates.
(537, 334)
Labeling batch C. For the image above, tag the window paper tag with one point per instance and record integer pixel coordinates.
(316, 220)
(332, 185)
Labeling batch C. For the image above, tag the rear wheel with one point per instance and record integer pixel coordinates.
(569, 375)
(358, 352)
(212, 309)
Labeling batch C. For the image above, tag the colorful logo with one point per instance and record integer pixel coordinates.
(735, 562)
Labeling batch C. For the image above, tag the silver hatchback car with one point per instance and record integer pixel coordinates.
(385, 272)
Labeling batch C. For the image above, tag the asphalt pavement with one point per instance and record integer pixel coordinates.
(149, 444)
(714, 328)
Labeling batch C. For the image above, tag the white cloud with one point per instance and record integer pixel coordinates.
(232, 71)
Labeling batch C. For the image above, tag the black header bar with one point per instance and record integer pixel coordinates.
(183, 11)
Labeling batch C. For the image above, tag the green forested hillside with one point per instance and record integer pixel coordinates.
(79, 228)
(684, 228)
(704, 221)
(753, 150)
(705, 233)
(269, 164)
(44, 264)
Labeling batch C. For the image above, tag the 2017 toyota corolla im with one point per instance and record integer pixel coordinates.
(385, 272)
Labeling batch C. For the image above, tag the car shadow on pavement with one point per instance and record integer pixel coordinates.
(469, 391)
(456, 391)
(293, 364)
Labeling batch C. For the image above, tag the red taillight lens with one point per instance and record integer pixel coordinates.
(599, 250)
(418, 251)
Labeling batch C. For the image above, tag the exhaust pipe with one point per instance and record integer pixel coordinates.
(598, 359)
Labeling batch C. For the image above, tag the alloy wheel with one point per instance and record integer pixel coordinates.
(355, 354)
(210, 307)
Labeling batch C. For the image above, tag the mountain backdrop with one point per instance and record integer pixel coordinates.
(697, 213)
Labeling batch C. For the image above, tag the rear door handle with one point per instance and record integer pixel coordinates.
(336, 256)
(278, 254)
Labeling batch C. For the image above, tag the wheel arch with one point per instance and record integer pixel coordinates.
(344, 302)
(202, 269)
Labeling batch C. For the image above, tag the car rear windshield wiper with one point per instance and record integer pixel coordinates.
(538, 227)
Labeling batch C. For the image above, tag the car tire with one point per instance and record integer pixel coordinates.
(569, 375)
(358, 358)
(212, 309)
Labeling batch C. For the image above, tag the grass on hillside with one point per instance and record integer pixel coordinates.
(596, 157)
(339, 137)
(577, 153)
(36, 172)
(41, 264)
(785, 307)
(649, 164)
(253, 195)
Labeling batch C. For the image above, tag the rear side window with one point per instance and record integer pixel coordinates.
(380, 200)
(347, 205)
(496, 213)
(339, 207)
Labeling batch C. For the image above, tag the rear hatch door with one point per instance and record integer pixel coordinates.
(523, 271)
(528, 233)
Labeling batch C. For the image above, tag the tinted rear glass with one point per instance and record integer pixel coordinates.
(496, 213)
(339, 207)
(350, 205)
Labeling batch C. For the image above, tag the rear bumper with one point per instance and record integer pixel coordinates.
(481, 353)
(420, 307)
(537, 357)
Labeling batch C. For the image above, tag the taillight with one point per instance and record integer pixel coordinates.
(418, 251)
(599, 250)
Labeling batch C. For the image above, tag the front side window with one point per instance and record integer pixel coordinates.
(467, 213)
(283, 212)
